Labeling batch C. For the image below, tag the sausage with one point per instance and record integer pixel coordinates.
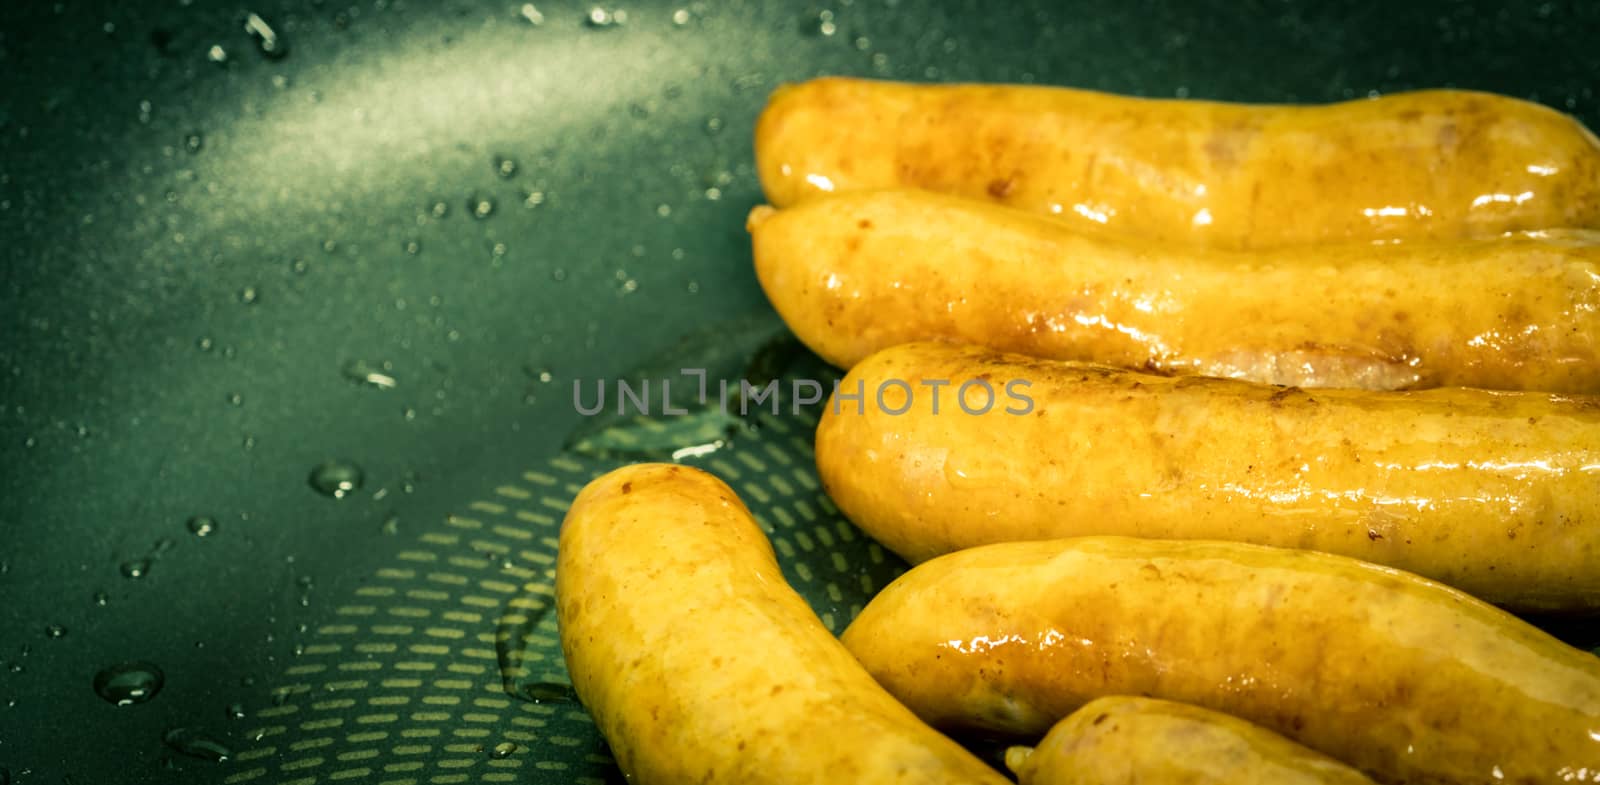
(1121, 740)
(1497, 494)
(1405, 679)
(700, 664)
(1436, 164)
(860, 272)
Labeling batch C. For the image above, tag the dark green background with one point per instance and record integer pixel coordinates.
(124, 250)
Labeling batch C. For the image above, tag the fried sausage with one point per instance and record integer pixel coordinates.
(1436, 164)
(1497, 494)
(700, 664)
(1405, 679)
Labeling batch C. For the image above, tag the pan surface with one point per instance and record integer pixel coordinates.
(294, 295)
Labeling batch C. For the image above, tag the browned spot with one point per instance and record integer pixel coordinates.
(1221, 151)
(852, 243)
(777, 688)
(1372, 534)
(864, 224)
(1401, 316)
(1409, 116)
(627, 487)
(1000, 188)
(1100, 719)
(1281, 393)
(1448, 135)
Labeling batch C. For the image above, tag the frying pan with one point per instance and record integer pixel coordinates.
(294, 295)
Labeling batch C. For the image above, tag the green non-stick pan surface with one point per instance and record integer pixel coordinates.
(294, 294)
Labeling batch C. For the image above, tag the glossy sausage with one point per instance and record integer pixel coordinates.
(1405, 679)
(1497, 494)
(861, 272)
(700, 664)
(1440, 164)
(1121, 740)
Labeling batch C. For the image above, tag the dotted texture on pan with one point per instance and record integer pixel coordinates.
(446, 667)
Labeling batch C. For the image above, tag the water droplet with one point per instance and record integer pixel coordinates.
(135, 568)
(663, 210)
(128, 683)
(503, 750)
(337, 478)
(558, 275)
(196, 743)
(379, 375)
(681, 17)
(713, 125)
(413, 246)
(236, 711)
(271, 45)
(194, 142)
(235, 399)
(101, 599)
(203, 344)
(55, 631)
(439, 209)
(532, 199)
(542, 374)
(713, 193)
(480, 205)
(299, 266)
(249, 295)
(391, 525)
(531, 14)
(202, 526)
(408, 413)
(217, 54)
(505, 168)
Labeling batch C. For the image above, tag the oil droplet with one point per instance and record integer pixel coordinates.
(713, 125)
(663, 209)
(391, 525)
(235, 399)
(217, 54)
(413, 247)
(135, 568)
(196, 744)
(546, 692)
(299, 266)
(599, 17)
(681, 17)
(532, 199)
(531, 14)
(271, 45)
(203, 343)
(193, 142)
(249, 295)
(480, 205)
(503, 750)
(128, 683)
(439, 209)
(202, 526)
(505, 168)
(101, 599)
(377, 375)
(55, 631)
(236, 711)
(337, 478)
